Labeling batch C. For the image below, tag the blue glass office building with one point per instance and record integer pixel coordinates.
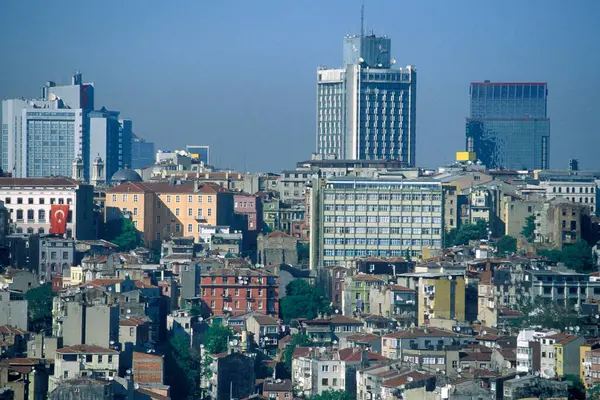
(367, 109)
(508, 125)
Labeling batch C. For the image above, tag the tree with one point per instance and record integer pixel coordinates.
(468, 232)
(506, 245)
(549, 315)
(577, 256)
(577, 388)
(529, 228)
(216, 338)
(39, 307)
(303, 252)
(303, 301)
(183, 368)
(123, 233)
(332, 395)
(298, 340)
(594, 393)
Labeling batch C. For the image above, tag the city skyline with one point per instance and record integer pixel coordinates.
(157, 70)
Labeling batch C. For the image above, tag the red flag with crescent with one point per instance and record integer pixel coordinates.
(58, 218)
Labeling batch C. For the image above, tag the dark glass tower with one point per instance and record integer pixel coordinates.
(508, 126)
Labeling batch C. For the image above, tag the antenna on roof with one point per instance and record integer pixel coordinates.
(362, 19)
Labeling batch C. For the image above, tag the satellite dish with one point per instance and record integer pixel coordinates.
(458, 329)
(322, 350)
(235, 342)
(51, 96)
(449, 277)
(536, 373)
(128, 311)
(410, 379)
(484, 333)
(136, 386)
(231, 343)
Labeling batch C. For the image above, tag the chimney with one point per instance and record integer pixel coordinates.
(196, 186)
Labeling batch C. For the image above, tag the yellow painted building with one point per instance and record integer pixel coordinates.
(567, 355)
(77, 277)
(161, 210)
(440, 295)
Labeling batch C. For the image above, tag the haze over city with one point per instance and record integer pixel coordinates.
(240, 75)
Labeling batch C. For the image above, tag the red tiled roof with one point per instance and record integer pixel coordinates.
(278, 234)
(363, 337)
(131, 321)
(103, 282)
(399, 288)
(413, 333)
(265, 320)
(406, 378)
(353, 354)
(568, 339)
(367, 278)
(11, 330)
(166, 187)
(142, 285)
(85, 349)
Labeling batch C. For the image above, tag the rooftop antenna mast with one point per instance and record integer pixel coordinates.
(362, 19)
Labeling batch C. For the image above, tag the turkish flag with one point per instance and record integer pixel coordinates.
(58, 218)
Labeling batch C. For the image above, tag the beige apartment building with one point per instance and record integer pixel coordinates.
(358, 217)
(161, 210)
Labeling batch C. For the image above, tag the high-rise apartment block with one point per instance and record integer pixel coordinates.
(366, 110)
(508, 126)
(361, 217)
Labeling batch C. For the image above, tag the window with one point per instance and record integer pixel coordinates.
(177, 212)
(190, 228)
(65, 255)
(135, 197)
(100, 358)
(199, 212)
(168, 199)
(190, 199)
(124, 198)
(334, 382)
(177, 199)
(88, 358)
(41, 215)
(260, 305)
(212, 304)
(335, 368)
(19, 200)
(158, 219)
(199, 199)
(325, 382)
(209, 199)
(177, 228)
(135, 211)
(209, 212)
(236, 304)
(190, 212)
(7, 200)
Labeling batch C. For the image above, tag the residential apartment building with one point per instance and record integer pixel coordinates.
(161, 210)
(529, 351)
(13, 309)
(293, 183)
(440, 295)
(561, 222)
(265, 331)
(565, 287)
(30, 200)
(84, 361)
(582, 190)
(357, 292)
(232, 291)
(374, 217)
(316, 370)
(367, 109)
(394, 301)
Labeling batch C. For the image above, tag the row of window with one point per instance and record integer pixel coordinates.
(573, 190)
(383, 196)
(41, 200)
(190, 199)
(236, 292)
(41, 214)
(383, 208)
(236, 305)
(378, 231)
(380, 242)
(224, 280)
(376, 253)
(383, 219)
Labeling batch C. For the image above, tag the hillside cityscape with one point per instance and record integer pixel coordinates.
(133, 272)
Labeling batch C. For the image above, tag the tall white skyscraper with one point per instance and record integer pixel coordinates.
(43, 137)
(367, 109)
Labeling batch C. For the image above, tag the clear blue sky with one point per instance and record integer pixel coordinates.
(240, 75)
